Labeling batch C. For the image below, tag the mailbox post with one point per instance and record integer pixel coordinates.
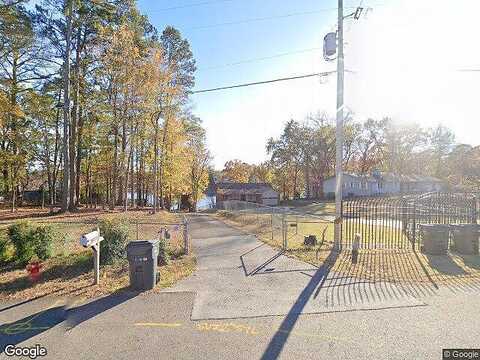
(93, 239)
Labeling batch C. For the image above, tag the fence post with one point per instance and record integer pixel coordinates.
(296, 225)
(284, 232)
(186, 243)
(137, 229)
(414, 230)
(272, 225)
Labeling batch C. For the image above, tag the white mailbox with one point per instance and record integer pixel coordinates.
(93, 239)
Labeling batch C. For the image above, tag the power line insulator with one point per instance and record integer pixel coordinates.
(358, 13)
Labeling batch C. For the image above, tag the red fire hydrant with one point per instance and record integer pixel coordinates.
(34, 269)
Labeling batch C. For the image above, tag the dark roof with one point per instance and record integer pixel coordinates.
(243, 186)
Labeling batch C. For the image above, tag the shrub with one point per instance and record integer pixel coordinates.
(30, 240)
(4, 245)
(21, 235)
(44, 238)
(113, 247)
(163, 255)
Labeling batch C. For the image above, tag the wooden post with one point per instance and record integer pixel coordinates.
(96, 263)
(271, 223)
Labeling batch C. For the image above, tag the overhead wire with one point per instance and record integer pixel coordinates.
(246, 21)
(326, 73)
(260, 59)
(185, 6)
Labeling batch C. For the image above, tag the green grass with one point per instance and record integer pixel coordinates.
(322, 208)
(261, 225)
(69, 228)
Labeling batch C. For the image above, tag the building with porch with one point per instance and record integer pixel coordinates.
(260, 193)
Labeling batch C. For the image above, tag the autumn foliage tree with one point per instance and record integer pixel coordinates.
(131, 139)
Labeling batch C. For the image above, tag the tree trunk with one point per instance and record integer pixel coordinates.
(162, 159)
(66, 110)
(132, 181)
(79, 156)
(125, 187)
(115, 171)
(155, 167)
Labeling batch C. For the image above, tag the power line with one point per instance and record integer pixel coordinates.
(259, 59)
(191, 5)
(264, 82)
(264, 18)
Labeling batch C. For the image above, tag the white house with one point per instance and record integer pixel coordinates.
(259, 193)
(418, 183)
(381, 184)
(353, 185)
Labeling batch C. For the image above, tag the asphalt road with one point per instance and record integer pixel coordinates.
(247, 301)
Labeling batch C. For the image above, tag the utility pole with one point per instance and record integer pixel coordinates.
(339, 132)
(66, 108)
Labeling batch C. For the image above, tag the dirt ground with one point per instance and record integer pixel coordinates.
(72, 276)
(83, 214)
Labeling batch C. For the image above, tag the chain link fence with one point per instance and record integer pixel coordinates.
(67, 233)
(281, 227)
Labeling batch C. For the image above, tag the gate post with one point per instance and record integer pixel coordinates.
(414, 230)
(284, 232)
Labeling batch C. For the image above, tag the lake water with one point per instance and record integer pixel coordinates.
(207, 202)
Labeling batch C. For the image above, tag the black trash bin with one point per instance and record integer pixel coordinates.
(465, 238)
(142, 258)
(435, 238)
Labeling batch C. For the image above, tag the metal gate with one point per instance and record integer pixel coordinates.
(393, 222)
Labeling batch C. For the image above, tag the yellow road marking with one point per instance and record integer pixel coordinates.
(229, 327)
(18, 328)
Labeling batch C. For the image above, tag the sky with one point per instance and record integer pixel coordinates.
(404, 57)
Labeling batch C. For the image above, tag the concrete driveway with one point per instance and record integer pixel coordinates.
(239, 276)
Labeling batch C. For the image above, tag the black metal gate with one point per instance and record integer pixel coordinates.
(393, 222)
